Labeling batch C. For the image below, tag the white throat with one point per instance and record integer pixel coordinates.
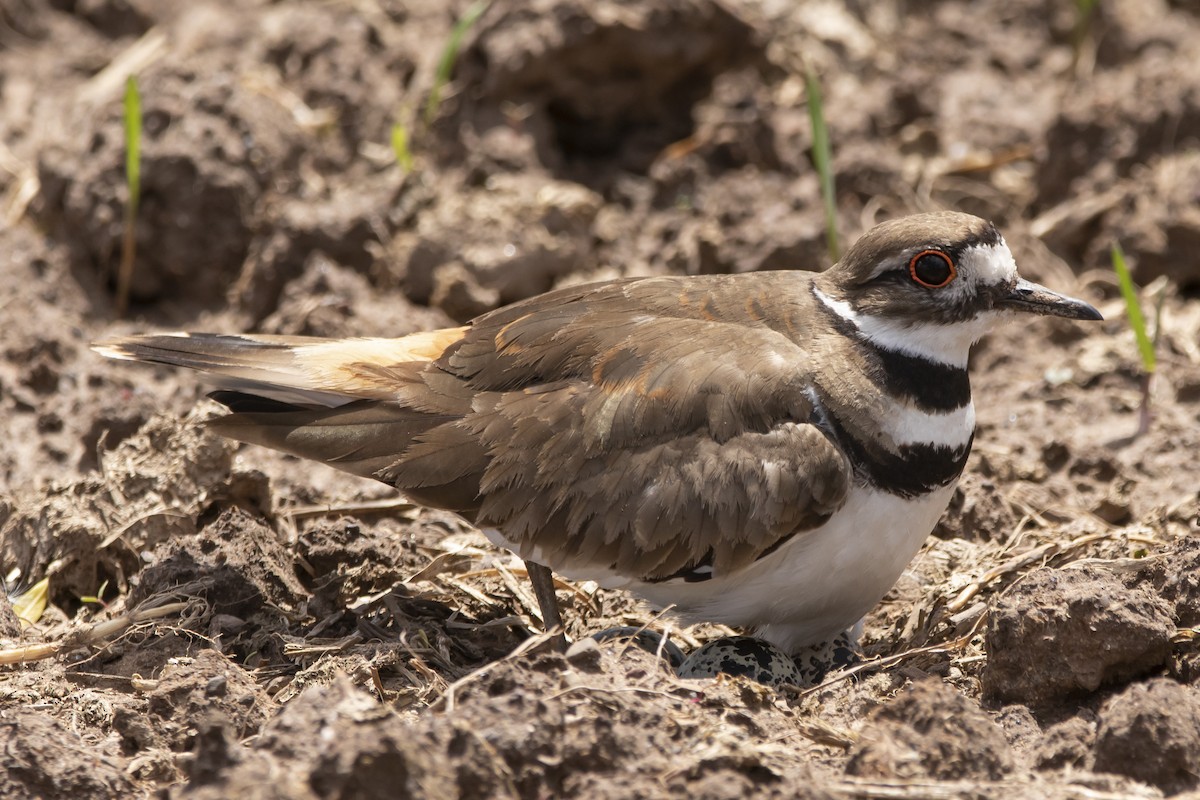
(948, 344)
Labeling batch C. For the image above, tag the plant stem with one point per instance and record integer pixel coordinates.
(450, 55)
(133, 181)
(1145, 345)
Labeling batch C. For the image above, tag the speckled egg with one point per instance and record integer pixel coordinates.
(650, 641)
(746, 656)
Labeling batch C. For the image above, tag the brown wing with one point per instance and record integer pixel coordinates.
(640, 426)
(653, 510)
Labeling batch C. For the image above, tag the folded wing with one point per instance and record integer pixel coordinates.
(591, 425)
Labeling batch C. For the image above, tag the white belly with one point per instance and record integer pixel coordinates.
(813, 587)
(822, 581)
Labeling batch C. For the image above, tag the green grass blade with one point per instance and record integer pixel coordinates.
(133, 142)
(450, 55)
(823, 160)
(1082, 30)
(400, 147)
(1133, 307)
(133, 182)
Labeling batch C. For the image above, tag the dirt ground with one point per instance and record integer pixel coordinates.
(228, 622)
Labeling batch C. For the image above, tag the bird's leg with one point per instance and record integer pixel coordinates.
(542, 580)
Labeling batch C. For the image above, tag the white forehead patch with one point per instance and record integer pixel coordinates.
(981, 268)
(990, 264)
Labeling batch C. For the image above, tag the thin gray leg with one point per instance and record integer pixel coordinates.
(542, 580)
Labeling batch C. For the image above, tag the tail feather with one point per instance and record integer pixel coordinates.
(370, 439)
(291, 369)
(343, 402)
(363, 437)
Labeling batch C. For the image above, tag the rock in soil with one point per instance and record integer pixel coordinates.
(1059, 632)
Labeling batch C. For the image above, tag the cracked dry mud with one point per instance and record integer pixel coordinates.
(329, 640)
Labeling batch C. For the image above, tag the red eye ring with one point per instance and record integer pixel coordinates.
(932, 273)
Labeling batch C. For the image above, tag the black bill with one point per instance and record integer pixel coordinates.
(1037, 299)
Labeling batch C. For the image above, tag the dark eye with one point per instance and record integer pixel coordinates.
(933, 269)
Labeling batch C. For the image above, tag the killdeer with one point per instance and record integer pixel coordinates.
(765, 450)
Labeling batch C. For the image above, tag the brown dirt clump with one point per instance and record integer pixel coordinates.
(44, 758)
(1063, 631)
(930, 731)
(1151, 732)
(1175, 575)
(578, 747)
